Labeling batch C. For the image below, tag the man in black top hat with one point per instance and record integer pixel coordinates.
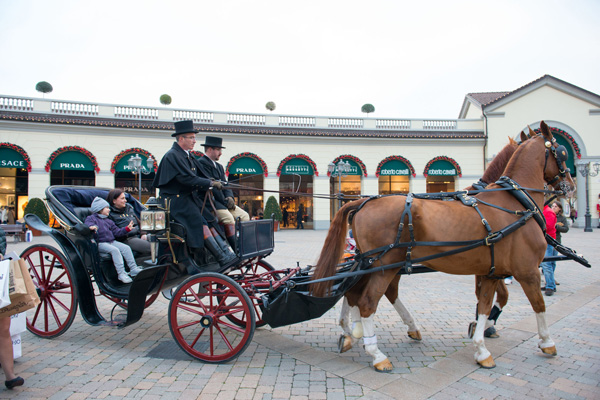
(181, 182)
(227, 211)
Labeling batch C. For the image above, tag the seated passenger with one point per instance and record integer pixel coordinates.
(182, 184)
(122, 213)
(105, 232)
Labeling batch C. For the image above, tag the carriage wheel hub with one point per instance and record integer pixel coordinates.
(206, 321)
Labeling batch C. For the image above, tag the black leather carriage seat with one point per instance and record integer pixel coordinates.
(82, 213)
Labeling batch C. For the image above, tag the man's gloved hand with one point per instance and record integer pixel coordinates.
(216, 185)
(230, 203)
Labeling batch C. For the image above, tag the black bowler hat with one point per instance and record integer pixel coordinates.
(212, 141)
(182, 127)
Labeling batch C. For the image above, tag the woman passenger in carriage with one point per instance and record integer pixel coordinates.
(122, 213)
(106, 230)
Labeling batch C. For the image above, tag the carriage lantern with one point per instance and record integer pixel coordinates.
(153, 220)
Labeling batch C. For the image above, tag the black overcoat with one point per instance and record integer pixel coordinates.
(180, 179)
(218, 173)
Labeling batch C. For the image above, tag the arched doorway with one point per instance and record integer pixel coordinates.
(72, 165)
(247, 170)
(350, 186)
(441, 173)
(296, 174)
(129, 181)
(15, 166)
(394, 175)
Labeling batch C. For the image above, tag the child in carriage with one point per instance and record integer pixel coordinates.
(106, 231)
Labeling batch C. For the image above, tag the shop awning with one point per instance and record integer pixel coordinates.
(297, 166)
(10, 158)
(442, 168)
(246, 166)
(123, 164)
(394, 167)
(72, 160)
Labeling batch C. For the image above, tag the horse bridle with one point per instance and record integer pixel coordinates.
(560, 156)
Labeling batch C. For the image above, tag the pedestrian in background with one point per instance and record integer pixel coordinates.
(6, 345)
(562, 226)
(548, 267)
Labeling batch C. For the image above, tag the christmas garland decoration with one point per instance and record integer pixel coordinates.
(350, 157)
(398, 158)
(301, 156)
(133, 150)
(568, 137)
(248, 155)
(61, 150)
(196, 153)
(450, 160)
(19, 150)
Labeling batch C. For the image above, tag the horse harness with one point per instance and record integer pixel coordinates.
(505, 183)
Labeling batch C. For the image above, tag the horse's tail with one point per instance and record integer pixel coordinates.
(333, 248)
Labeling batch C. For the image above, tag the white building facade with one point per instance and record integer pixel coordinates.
(44, 141)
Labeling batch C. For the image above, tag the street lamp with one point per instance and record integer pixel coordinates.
(585, 171)
(135, 165)
(340, 170)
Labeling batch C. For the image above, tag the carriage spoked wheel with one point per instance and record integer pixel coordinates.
(53, 276)
(198, 318)
(249, 274)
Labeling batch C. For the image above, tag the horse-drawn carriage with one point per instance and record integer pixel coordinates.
(213, 314)
(213, 311)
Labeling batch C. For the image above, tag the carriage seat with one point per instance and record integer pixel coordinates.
(82, 213)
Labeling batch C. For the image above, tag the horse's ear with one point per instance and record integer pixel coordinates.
(511, 141)
(531, 131)
(523, 136)
(546, 131)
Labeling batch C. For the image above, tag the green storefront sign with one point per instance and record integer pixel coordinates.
(442, 168)
(72, 160)
(11, 159)
(123, 164)
(394, 167)
(245, 166)
(355, 169)
(297, 166)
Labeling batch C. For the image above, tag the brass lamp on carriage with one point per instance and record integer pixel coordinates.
(153, 220)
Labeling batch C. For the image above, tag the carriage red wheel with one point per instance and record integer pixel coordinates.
(198, 315)
(250, 275)
(52, 275)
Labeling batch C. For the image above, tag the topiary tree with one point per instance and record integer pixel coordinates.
(271, 208)
(165, 99)
(36, 206)
(270, 106)
(43, 87)
(368, 108)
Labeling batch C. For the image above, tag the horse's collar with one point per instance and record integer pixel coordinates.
(524, 198)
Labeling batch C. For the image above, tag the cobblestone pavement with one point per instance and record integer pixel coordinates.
(301, 361)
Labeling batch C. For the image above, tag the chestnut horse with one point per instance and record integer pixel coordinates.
(377, 223)
(347, 339)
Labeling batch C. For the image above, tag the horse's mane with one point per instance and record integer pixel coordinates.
(499, 163)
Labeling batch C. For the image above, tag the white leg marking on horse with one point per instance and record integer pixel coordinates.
(370, 341)
(344, 320)
(481, 352)
(357, 326)
(407, 318)
(545, 340)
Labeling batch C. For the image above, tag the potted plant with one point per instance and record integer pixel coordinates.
(36, 206)
(272, 210)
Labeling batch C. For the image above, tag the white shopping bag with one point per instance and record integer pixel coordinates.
(18, 324)
(4, 286)
(16, 346)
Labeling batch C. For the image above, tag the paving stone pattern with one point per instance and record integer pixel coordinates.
(301, 361)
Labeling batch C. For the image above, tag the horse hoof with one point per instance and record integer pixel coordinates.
(551, 351)
(471, 330)
(384, 366)
(415, 335)
(491, 333)
(487, 363)
(344, 343)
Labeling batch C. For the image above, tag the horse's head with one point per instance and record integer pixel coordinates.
(556, 173)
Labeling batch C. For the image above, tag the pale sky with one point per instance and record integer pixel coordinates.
(410, 59)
